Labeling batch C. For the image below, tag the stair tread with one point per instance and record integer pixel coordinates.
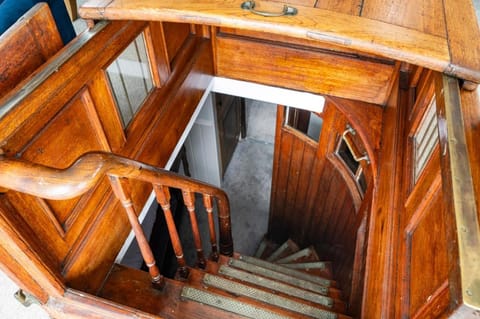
(306, 254)
(287, 248)
(229, 304)
(266, 297)
(308, 278)
(321, 269)
(265, 249)
(195, 281)
(297, 293)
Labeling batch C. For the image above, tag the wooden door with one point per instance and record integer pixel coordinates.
(423, 254)
(434, 279)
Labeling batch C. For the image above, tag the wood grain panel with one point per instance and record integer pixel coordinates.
(422, 15)
(463, 33)
(277, 227)
(382, 223)
(352, 7)
(426, 252)
(312, 200)
(154, 145)
(305, 3)
(175, 36)
(361, 34)
(26, 45)
(73, 132)
(312, 71)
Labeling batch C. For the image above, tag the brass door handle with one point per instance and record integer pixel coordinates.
(287, 10)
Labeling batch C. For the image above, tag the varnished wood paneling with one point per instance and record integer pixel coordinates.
(108, 114)
(463, 33)
(383, 223)
(75, 131)
(352, 7)
(26, 45)
(312, 71)
(50, 97)
(364, 35)
(422, 15)
(426, 255)
(68, 114)
(154, 146)
(175, 36)
(313, 201)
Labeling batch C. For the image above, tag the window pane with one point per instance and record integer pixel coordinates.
(130, 79)
(309, 123)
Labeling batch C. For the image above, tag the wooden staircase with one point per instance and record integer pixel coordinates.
(286, 282)
(278, 282)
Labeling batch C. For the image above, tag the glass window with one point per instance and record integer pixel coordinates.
(309, 123)
(131, 79)
(352, 162)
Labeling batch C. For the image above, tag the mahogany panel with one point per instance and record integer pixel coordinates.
(361, 34)
(352, 7)
(72, 112)
(306, 3)
(277, 228)
(423, 15)
(108, 114)
(426, 255)
(301, 69)
(175, 35)
(26, 45)
(313, 201)
(463, 31)
(153, 145)
(383, 222)
(73, 132)
(51, 96)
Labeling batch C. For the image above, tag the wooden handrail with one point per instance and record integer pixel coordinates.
(75, 180)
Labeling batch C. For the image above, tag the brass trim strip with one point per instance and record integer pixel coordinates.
(51, 67)
(463, 193)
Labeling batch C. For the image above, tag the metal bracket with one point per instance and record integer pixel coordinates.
(25, 298)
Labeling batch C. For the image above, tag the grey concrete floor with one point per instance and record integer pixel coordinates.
(247, 182)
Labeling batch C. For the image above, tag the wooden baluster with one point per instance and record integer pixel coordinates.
(189, 199)
(207, 202)
(163, 198)
(120, 188)
(225, 227)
